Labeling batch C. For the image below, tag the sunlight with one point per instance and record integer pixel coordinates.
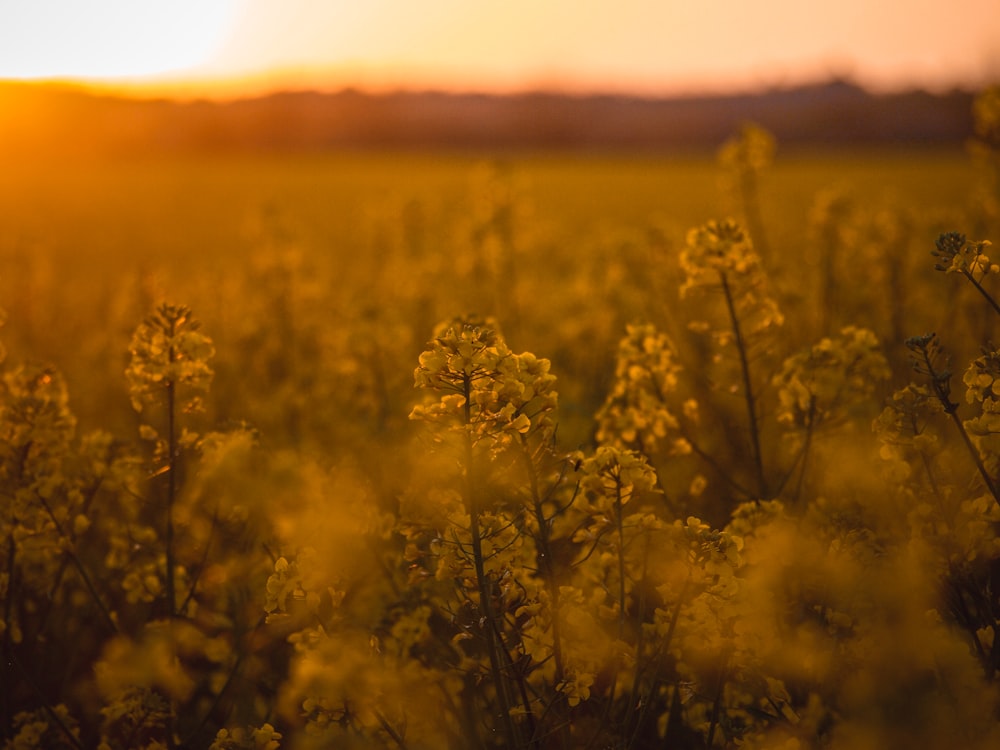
(109, 39)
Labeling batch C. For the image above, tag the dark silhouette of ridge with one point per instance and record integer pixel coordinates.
(39, 120)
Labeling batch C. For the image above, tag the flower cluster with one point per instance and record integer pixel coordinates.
(612, 477)
(718, 248)
(720, 256)
(488, 390)
(982, 389)
(169, 351)
(907, 430)
(957, 255)
(635, 413)
(821, 383)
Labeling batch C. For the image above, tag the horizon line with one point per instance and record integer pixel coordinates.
(240, 88)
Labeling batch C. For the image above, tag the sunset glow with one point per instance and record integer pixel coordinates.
(649, 46)
(109, 39)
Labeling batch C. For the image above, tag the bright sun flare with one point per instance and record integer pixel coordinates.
(109, 39)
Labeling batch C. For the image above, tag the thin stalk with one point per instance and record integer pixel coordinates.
(980, 466)
(78, 564)
(979, 287)
(717, 702)
(46, 705)
(939, 382)
(546, 563)
(926, 463)
(169, 535)
(171, 488)
(200, 568)
(639, 644)
(482, 581)
(960, 611)
(64, 564)
(663, 647)
(391, 731)
(748, 392)
(790, 471)
(621, 559)
(700, 452)
(715, 465)
(522, 690)
(612, 688)
(233, 672)
(805, 450)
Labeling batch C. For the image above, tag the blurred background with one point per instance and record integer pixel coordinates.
(637, 73)
(635, 46)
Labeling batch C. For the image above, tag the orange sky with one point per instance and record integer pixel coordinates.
(647, 46)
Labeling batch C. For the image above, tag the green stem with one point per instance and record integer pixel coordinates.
(50, 603)
(391, 731)
(547, 567)
(715, 465)
(633, 699)
(805, 450)
(717, 702)
(940, 384)
(663, 647)
(171, 492)
(172, 465)
(482, 581)
(621, 558)
(199, 569)
(748, 392)
(980, 466)
(700, 452)
(979, 287)
(546, 563)
(522, 690)
(78, 564)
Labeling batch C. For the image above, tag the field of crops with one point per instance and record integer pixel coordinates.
(540, 451)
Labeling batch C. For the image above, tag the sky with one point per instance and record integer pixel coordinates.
(640, 46)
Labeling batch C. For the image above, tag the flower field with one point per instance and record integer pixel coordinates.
(410, 450)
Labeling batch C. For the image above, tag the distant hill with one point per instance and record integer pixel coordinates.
(42, 120)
